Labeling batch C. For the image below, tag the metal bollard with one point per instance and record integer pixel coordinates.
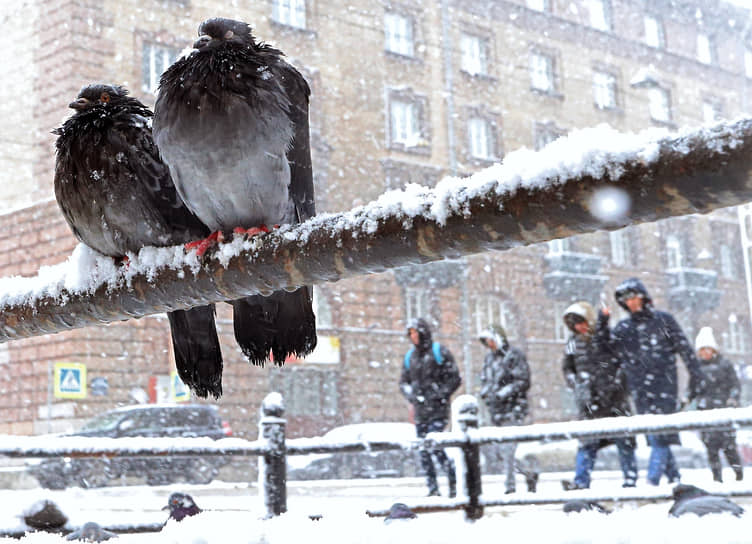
(468, 419)
(273, 464)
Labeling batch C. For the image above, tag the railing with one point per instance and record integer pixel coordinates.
(273, 447)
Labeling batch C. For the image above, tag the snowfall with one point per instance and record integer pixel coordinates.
(239, 516)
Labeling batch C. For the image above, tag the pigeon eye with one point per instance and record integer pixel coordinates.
(229, 34)
(104, 97)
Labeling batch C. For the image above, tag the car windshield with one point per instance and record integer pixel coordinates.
(103, 422)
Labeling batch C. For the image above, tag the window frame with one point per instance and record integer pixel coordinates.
(542, 6)
(612, 89)
(665, 94)
(549, 72)
(705, 51)
(421, 142)
(621, 247)
(482, 50)
(674, 252)
(290, 12)
(393, 41)
(491, 308)
(152, 47)
(603, 18)
(660, 31)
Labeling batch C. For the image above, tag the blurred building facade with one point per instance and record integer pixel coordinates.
(403, 92)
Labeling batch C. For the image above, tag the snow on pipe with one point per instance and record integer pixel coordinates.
(593, 179)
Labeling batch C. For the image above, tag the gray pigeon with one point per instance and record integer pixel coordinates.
(91, 532)
(689, 499)
(399, 511)
(117, 196)
(579, 505)
(231, 122)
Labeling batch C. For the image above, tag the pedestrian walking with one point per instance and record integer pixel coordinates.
(722, 390)
(647, 342)
(505, 380)
(429, 377)
(592, 371)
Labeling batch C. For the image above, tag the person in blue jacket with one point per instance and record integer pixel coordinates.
(429, 377)
(647, 343)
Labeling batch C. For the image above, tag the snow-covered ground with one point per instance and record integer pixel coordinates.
(233, 513)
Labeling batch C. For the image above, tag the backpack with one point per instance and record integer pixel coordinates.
(436, 355)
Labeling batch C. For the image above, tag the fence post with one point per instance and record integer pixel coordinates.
(468, 419)
(273, 464)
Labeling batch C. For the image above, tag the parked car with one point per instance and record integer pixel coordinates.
(192, 420)
(377, 464)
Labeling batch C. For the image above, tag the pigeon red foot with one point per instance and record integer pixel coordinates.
(201, 246)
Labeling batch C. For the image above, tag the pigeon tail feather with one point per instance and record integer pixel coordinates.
(198, 357)
(282, 323)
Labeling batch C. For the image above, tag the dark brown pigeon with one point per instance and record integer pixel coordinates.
(181, 506)
(231, 121)
(117, 196)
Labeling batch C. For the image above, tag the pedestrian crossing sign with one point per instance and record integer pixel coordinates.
(179, 392)
(70, 380)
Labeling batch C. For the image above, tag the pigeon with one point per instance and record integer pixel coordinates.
(231, 122)
(399, 511)
(117, 196)
(91, 532)
(689, 499)
(579, 505)
(181, 505)
(45, 515)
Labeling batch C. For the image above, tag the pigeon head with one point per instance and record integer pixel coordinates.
(220, 32)
(99, 95)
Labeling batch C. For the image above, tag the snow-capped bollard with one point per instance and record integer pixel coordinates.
(273, 464)
(468, 419)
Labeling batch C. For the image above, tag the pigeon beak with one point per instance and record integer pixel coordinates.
(202, 41)
(79, 104)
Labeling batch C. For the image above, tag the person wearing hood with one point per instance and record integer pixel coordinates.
(593, 372)
(647, 343)
(429, 377)
(504, 381)
(722, 391)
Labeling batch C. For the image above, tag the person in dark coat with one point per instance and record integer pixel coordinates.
(429, 377)
(647, 343)
(505, 380)
(722, 391)
(593, 372)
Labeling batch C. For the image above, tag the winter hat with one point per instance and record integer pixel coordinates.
(583, 310)
(494, 332)
(629, 287)
(705, 339)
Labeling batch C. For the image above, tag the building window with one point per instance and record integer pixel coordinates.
(156, 59)
(673, 252)
(542, 76)
(474, 55)
(398, 32)
(321, 308)
(416, 303)
(727, 262)
(620, 247)
(307, 391)
(654, 36)
(545, 133)
(406, 121)
(289, 12)
(557, 247)
(561, 332)
(748, 63)
(491, 310)
(735, 338)
(604, 90)
(600, 14)
(539, 5)
(711, 111)
(480, 134)
(660, 104)
(705, 49)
